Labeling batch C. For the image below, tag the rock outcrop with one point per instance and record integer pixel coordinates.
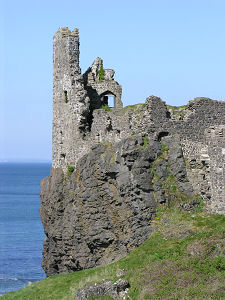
(103, 209)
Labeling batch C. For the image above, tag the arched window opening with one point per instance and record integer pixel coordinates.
(108, 98)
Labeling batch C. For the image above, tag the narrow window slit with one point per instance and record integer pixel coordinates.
(65, 96)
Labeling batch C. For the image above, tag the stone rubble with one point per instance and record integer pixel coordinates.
(117, 290)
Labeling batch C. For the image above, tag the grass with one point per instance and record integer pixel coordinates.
(145, 141)
(134, 108)
(164, 147)
(166, 266)
(105, 107)
(178, 111)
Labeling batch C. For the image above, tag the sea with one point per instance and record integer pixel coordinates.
(21, 231)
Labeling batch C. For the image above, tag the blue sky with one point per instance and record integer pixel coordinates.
(172, 49)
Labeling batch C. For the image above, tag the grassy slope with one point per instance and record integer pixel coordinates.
(183, 259)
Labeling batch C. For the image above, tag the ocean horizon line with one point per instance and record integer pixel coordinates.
(25, 161)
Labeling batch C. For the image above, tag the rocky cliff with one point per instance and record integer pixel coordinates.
(103, 209)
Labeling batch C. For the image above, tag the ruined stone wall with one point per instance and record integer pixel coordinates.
(155, 119)
(98, 87)
(198, 167)
(203, 149)
(205, 167)
(215, 140)
(199, 114)
(149, 119)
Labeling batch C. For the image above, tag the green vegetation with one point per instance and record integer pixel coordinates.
(105, 107)
(107, 144)
(183, 259)
(145, 141)
(108, 147)
(201, 204)
(70, 170)
(101, 74)
(134, 108)
(112, 158)
(173, 193)
(164, 147)
(187, 163)
(178, 111)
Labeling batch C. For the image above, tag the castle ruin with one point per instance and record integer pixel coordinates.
(79, 122)
(112, 167)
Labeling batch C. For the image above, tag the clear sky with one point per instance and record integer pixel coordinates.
(174, 49)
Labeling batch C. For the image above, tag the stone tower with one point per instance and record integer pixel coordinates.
(75, 97)
(70, 100)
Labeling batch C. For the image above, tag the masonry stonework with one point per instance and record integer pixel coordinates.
(70, 99)
(215, 141)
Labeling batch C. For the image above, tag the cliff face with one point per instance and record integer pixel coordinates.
(103, 210)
